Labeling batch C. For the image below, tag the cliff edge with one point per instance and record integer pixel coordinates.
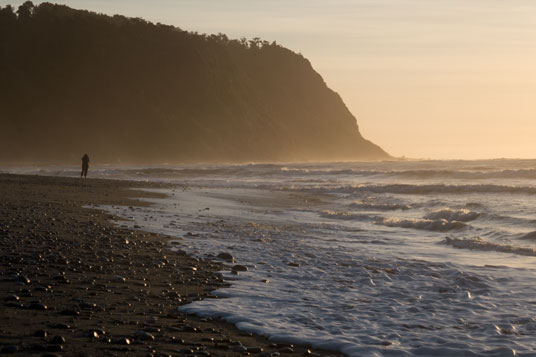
(124, 89)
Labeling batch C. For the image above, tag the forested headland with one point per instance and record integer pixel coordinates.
(127, 90)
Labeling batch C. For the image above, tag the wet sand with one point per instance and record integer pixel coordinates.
(73, 284)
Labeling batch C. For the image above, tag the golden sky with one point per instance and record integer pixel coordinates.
(438, 79)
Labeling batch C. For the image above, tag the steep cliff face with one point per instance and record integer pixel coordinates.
(124, 89)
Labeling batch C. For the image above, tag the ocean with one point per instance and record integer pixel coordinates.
(410, 258)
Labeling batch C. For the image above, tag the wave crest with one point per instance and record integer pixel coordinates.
(344, 215)
(482, 245)
(379, 206)
(407, 189)
(436, 225)
(467, 174)
(462, 215)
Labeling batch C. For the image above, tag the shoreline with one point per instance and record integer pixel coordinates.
(75, 283)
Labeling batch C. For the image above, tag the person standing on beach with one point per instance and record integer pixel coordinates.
(85, 165)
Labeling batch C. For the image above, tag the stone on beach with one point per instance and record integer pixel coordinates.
(40, 333)
(12, 297)
(227, 257)
(37, 306)
(254, 350)
(121, 341)
(239, 267)
(69, 312)
(58, 340)
(119, 279)
(22, 279)
(143, 336)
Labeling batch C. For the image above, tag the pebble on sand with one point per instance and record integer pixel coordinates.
(227, 257)
(41, 333)
(143, 336)
(239, 267)
(12, 297)
(37, 306)
(58, 340)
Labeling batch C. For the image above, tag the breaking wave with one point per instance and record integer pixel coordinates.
(480, 173)
(344, 215)
(436, 225)
(379, 206)
(468, 175)
(482, 245)
(462, 215)
(407, 189)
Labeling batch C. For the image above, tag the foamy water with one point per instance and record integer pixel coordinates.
(370, 259)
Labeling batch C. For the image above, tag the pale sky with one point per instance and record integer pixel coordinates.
(440, 79)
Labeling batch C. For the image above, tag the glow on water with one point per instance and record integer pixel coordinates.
(379, 259)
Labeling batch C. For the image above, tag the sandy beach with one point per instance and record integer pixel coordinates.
(72, 283)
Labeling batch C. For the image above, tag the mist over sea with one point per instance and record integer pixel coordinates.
(416, 258)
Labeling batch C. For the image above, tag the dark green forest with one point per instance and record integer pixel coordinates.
(127, 90)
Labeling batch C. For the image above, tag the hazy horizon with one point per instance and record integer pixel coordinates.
(442, 80)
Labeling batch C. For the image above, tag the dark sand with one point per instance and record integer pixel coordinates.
(73, 284)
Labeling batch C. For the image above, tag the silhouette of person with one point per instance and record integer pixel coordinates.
(85, 165)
